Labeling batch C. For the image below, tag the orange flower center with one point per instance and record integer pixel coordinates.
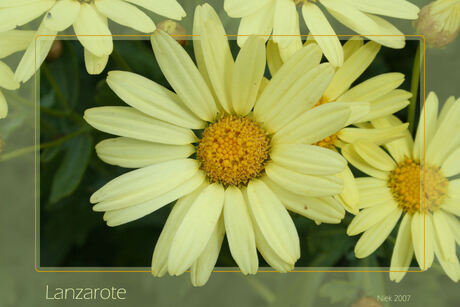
(233, 150)
(410, 180)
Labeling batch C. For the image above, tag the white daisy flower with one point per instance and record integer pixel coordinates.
(413, 185)
(280, 17)
(243, 172)
(374, 98)
(89, 21)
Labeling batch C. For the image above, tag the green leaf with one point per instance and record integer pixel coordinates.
(72, 168)
(49, 154)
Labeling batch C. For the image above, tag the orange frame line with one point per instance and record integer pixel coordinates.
(222, 271)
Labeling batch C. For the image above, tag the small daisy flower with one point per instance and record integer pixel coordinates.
(280, 17)
(88, 17)
(218, 148)
(439, 22)
(374, 98)
(419, 188)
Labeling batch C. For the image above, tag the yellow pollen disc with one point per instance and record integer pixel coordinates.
(233, 150)
(328, 142)
(410, 179)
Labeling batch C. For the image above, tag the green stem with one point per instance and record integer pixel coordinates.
(56, 88)
(29, 149)
(414, 89)
(116, 56)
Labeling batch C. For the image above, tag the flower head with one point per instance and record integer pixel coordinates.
(413, 184)
(439, 22)
(374, 98)
(254, 159)
(89, 21)
(280, 17)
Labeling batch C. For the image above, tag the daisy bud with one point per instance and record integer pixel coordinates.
(439, 22)
(174, 29)
(366, 301)
(55, 51)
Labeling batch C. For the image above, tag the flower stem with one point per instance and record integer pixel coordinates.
(414, 89)
(28, 149)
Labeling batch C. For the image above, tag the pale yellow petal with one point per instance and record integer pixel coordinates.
(427, 125)
(377, 136)
(388, 104)
(143, 184)
(95, 64)
(308, 159)
(270, 256)
(446, 138)
(202, 268)
(125, 215)
(294, 69)
(3, 106)
(240, 232)
(125, 14)
(7, 77)
(247, 75)
(403, 250)
(241, 8)
(131, 153)
(258, 23)
(374, 155)
(323, 209)
(392, 8)
(352, 68)
(314, 125)
(374, 236)
(422, 239)
(196, 229)
(306, 185)
(303, 94)
(349, 152)
(369, 217)
(62, 15)
(184, 77)
(274, 221)
(128, 122)
(14, 41)
(35, 54)
(325, 36)
(163, 245)
(373, 88)
(285, 23)
(152, 99)
(350, 193)
(451, 165)
(216, 53)
(401, 148)
(22, 13)
(274, 60)
(351, 46)
(444, 237)
(92, 31)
